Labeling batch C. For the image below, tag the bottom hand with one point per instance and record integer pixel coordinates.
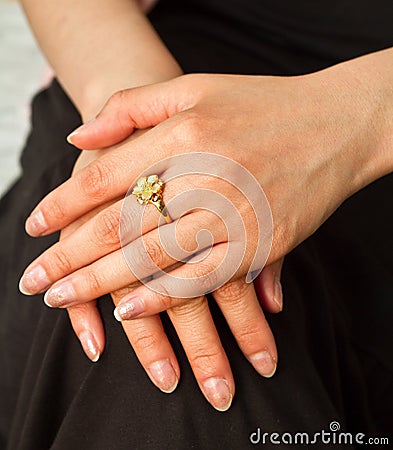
(204, 350)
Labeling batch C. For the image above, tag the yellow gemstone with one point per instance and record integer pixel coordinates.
(148, 189)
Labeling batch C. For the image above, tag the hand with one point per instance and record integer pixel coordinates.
(300, 120)
(87, 323)
(277, 132)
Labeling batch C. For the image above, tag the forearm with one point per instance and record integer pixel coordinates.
(368, 83)
(97, 47)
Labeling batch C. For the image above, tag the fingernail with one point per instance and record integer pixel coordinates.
(277, 294)
(164, 375)
(36, 224)
(35, 280)
(129, 310)
(218, 393)
(79, 130)
(89, 345)
(264, 363)
(60, 295)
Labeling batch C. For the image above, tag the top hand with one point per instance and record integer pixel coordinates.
(298, 133)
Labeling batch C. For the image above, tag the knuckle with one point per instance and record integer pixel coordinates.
(232, 291)
(79, 313)
(128, 223)
(248, 334)
(189, 309)
(164, 302)
(94, 282)
(53, 211)
(145, 341)
(123, 119)
(108, 227)
(163, 299)
(154, 251)
(188, 130)
(206, 277)
(59, 263)
(95, 180)
(205, 361)
(118, 294)
(117, 99)
(146, 257)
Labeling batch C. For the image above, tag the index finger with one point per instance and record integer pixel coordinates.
(103, 180)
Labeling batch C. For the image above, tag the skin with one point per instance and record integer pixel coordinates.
(90, 77)
(313, 142)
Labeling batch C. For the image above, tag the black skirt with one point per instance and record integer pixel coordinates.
(334, 336)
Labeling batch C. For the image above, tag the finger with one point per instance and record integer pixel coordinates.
(38, 220)
(100, 278)
(204, 351)
(153, 349)
(92, 236)
(106, 275)
(145, 256)
(86, 319)
(129, 109)
(103, 180)
(240, 306)
(111, 175)
(268, 287)
(241, 309)
(105, 232)
(87, 324)
(186, 281)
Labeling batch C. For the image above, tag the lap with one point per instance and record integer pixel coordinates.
(331, 336)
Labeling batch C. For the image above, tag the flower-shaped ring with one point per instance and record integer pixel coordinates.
(149, 190)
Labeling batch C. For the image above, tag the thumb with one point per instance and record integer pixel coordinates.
(127, 110)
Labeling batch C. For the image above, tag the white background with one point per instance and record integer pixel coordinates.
(21, 73)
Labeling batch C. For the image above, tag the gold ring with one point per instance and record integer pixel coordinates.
(149, 190)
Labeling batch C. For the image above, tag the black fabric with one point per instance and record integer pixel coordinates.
(270, 36)
(334, 336)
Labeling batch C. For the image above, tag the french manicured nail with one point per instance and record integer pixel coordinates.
(60, 295)
(264, 363)
(89, 345)
(129, 310)
(277, 293)
(34, 281)
(36, 224)
(218, 393)
(164, 375)
(79, 130)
